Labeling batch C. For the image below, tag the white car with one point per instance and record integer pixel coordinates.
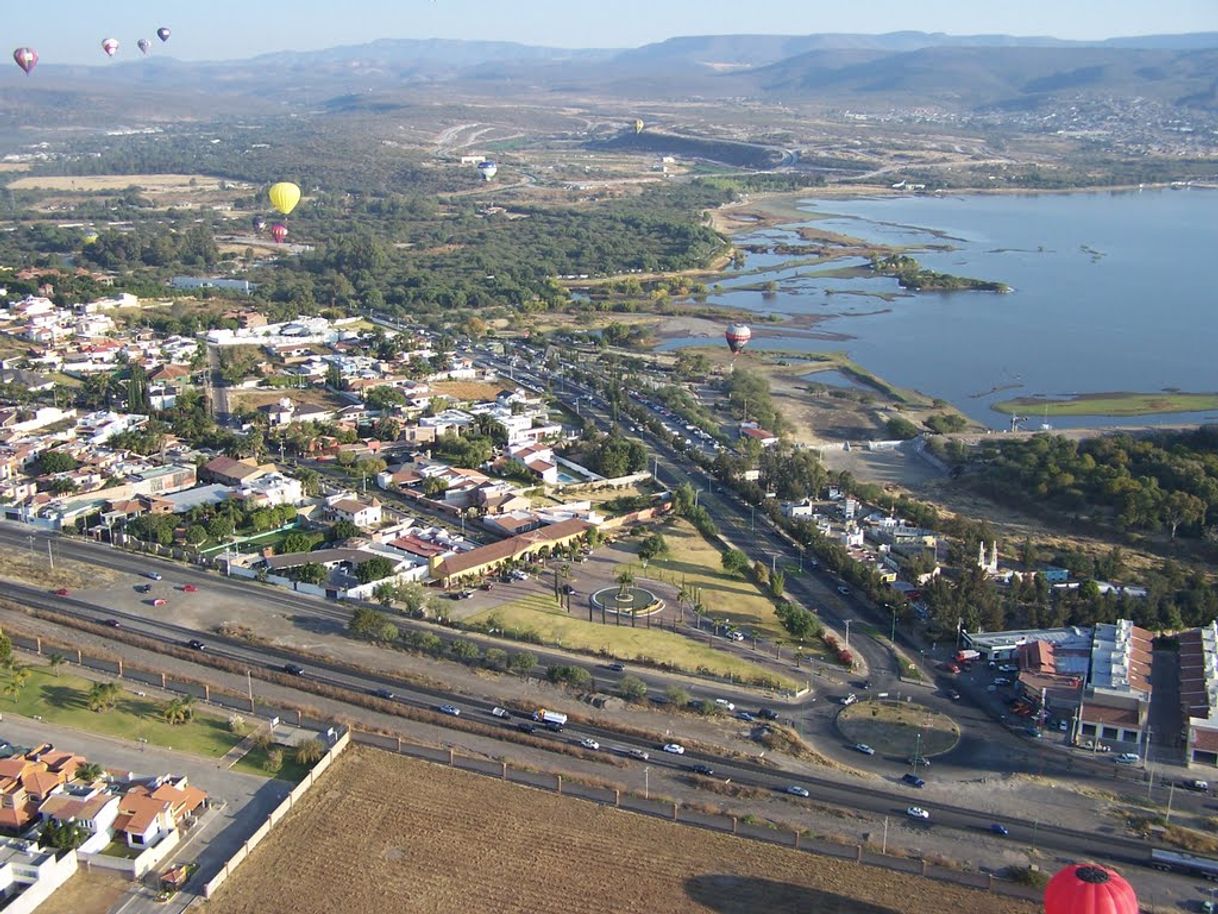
(450, 710)
(1126, 758)
(640, 753)
(917, 812)
(674, 748)
(589, 743)
(796, 791)
(864, 748)
(724, 703)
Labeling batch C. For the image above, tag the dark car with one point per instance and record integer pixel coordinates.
(384, 693)
(196, 644)
(706, 770)
(568, 589)
(617, 667)
(913, 780)
(953, 694)
(999, 829)
(767, 714)
(294, 668)
(113, 623)
(526, 728)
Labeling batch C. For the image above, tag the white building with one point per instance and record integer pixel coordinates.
(30, 874)
(364, 514)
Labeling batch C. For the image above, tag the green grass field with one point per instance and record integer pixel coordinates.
(252, 763)
(1111, 404)
(541, 615)
(61, 699)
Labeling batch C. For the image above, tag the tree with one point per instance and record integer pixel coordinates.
(654, 547)
(633, 688)
(309, 752)
(522, 663)
(384, 593)
(90, 772)
(374, 569)
(367, 623)
(65, 835)
(310, 573)
(295, 541)
(677, 696)
(342, 530)
(18, 677)
(179, 710)
(778, 581)
(1182, 508)
(412, 598)
(102, 696)
(569, 675)
(57, 462)
(273, 762)
(735, 562)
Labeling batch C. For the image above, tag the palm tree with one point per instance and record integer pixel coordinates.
(20, 675)
(103, 696)
(309, 752)
(55, 661)
(179, 710)
(90, 772)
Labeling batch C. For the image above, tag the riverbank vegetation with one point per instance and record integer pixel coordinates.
(1111, 404)
(913, 276)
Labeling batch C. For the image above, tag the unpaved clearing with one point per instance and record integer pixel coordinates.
(468, 390)
(152, 183)
(87, 892)
(379, 832)
(32, 567)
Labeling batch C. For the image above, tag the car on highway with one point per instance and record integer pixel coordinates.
(725, 704)
(999, 829)
(196, 644)
(639, 754)
(768, 714)
(62, 592)
(1196, 784)
(864, 748)
(917, 812)
(589, 743)
(917, 760)
(450, 710)
(617, 667)
(913, 780)
(294, 668)
(387, 694)
(113, 623)
(848, 700)
(674, 748)
(500, 712)
(705, 770)
(843, 590)
(1126, 758)
(159, 601)
(953, 694)
(796, 791)
(155, 575)
(526, 728)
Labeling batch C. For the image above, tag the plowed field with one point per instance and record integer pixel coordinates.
(381, 833)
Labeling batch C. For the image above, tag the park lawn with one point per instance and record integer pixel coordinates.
(252, 763)
(697, 563)
(1112, 404)
(61, 699)
(539, 614)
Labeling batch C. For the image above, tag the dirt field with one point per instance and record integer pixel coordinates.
(94, 892)
(302, 396)
(32, 569)
(456, 842)
(468, 390)
(150, 183)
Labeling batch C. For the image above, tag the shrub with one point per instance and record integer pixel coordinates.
(274, 761)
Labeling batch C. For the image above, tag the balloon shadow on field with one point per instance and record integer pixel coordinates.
(730, 894)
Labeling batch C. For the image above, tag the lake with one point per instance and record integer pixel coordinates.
(1112, 292)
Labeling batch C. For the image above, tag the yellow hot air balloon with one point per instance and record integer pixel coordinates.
(638, 127)
(284, 196)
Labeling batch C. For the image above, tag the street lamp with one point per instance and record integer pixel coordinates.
(847, 622)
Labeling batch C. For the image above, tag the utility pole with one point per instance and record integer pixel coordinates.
(848, 621)
(893, 636)
(50, 555)
(646, 782)
(753, 517)
(1171, 792)
(884, 845)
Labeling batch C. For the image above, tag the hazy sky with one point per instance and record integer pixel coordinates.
(70, 31)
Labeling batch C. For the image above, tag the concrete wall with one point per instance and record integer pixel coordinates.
(137, 867)
(277, 814)
(56, 874)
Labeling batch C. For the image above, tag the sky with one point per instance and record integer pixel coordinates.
(70, 31)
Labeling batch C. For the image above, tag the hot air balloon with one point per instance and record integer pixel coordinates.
(279, 231)
(737, 336)
(1092, 888)
(284, 196)
(27, 59)
(110, 46)
(163, 33)
(488, 170)
(638, 127)
(143, 44)
(259, 224)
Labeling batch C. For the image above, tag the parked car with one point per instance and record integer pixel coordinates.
(917, 760)
(953, 694)
(1127, 758)
(155, 575)
(1001, 681)
(913, 780)
(143, 588)
(768, 714)
(189, 588)
(589, 743)
(725, 704)
(796, 791)
(843, 590)
(464, 594)
(294, 668)
(917, 812)
(63, 592)
(745, 715)
(450, 710)
(159, 601)
(568, 589)
(488, 585)
(849, 699)
(999, 829)
(674, 748)
(864, 748)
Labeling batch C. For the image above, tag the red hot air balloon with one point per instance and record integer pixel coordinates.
(737, 336)
(163, 33)
(1090, 888)
(279, 231)
(27, 59)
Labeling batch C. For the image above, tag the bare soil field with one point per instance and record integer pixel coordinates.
(455, 842)
(32, 568)
(301, 396)
(150, 183)
(468, 390)
(87, 892)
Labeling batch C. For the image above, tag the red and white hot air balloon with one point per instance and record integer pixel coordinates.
(110, 46)
(27, 59)
(737, 336)
(279, 231)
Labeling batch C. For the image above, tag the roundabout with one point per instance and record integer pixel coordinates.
(627, 601)
(898, 728)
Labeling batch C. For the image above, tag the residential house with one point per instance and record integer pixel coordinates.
(30, 874)
(364, 514)
(94, 809)
(486, 559)
(229, 472)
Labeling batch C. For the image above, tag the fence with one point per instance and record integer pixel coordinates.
(137, 867)
(276, 815)
(678, 812)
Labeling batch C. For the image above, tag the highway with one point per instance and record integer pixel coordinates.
(821, 790)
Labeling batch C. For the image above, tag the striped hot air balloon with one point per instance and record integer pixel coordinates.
(737, 336)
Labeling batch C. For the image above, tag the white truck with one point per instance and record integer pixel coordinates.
(541, 715)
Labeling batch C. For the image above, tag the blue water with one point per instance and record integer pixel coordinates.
(1113, 291)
